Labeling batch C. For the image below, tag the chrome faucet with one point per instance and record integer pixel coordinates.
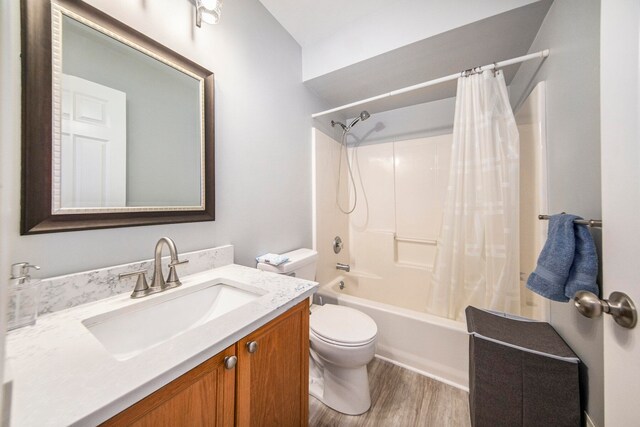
(158, 283)
(172, 280)
(343, 267)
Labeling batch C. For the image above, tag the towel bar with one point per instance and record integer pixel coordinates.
(589, 222)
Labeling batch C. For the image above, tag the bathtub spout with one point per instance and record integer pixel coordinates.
(343, 267)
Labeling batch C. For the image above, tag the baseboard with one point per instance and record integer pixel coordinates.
(424, 373)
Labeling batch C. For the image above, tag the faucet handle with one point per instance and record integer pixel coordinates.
(142, 287)
(172, 279)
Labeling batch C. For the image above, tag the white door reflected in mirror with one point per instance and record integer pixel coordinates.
(128, 125)
(94, 145)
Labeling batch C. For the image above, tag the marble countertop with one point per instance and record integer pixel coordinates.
(62, 375)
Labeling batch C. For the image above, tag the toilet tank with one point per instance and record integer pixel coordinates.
(301, 264)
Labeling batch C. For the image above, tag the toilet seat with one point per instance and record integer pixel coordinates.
(341, 344)
(342, 326)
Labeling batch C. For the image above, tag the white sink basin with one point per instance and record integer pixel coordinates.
(131, 330)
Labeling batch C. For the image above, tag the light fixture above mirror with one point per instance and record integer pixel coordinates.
(208, 11)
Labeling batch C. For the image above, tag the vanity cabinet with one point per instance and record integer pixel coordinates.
(273, 372)
(268, 386)
(204, 396)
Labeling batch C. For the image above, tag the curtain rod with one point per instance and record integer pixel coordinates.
(541, 54)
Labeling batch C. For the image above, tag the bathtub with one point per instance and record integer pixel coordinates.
(430, 345)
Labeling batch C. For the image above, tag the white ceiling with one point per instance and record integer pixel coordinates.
(362, 48)
(335, 34)
(500, 37)
(311, 20)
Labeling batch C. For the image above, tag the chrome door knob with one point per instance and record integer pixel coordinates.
(252, 346)
(619, 305)
(230, 362)
(588, 304)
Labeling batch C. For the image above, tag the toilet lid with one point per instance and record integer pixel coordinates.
(342, 324)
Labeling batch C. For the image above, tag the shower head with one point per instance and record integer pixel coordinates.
(364, 115)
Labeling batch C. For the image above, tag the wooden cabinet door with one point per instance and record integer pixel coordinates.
(203, 396)
(273, 381)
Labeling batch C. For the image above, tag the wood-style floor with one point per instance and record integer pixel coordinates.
(400, 397)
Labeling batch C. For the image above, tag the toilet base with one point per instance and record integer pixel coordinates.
(345, 390)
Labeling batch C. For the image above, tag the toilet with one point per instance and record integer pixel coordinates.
(342, 342)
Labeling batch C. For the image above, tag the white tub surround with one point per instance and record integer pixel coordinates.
(62, 375)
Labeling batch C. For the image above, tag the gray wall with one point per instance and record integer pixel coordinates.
(572, 31)
(263, 141)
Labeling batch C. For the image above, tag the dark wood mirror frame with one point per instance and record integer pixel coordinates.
(36, 216)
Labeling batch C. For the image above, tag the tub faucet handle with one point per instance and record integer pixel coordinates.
(337, 244)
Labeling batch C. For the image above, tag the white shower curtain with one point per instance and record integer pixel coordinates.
(478, 254)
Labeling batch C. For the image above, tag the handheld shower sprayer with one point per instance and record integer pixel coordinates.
(364, 115)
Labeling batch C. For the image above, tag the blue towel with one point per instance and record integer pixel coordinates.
(556, 258)
(584, 270)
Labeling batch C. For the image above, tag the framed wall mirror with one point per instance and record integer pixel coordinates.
(117, 130)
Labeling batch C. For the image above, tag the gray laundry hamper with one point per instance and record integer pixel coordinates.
(521, 373)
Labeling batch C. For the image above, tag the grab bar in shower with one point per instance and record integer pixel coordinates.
(589, 222)
(432, 242)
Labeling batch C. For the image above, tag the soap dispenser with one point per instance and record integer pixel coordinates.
(24, 296)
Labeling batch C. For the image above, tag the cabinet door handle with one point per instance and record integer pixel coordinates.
(230, 362)
(252, 346)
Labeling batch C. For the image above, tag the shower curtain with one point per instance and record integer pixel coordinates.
(478, 253)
